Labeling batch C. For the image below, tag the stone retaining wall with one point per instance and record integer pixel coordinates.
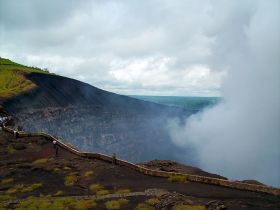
(150, 172)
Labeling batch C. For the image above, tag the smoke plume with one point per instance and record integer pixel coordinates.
(240, 137)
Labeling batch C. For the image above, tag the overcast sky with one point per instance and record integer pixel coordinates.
(130, 47)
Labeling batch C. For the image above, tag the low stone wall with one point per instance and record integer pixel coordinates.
(150, 172)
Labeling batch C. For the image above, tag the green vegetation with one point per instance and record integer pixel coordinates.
(187, 207)
(12, 78)
(178, 178)
(66, 168)
(42, 203)
(123, 201)
(7, 181)
(31, 187)
(152, 201)
(111, 205)
(5, 197)
(11, 150)
(23, 188)
(58, 193)
(5, 61)
(96, 187)
(122, 191)
(144, 206)
(12, 190)
(3, 206)
(56, 170)
(13, 82)
(82, 204)
(41, 161)
(88, 174)
(71, 179)
(102, 193)
(116, 204)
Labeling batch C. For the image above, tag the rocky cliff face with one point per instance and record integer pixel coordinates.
(96, 120)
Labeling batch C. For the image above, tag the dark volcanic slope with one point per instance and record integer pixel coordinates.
(58, 91)
(96, 120)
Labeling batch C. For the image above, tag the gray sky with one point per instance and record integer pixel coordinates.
(130, 47)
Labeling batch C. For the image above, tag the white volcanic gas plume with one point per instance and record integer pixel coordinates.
(240, 137)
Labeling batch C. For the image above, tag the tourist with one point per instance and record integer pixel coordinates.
(55, 148)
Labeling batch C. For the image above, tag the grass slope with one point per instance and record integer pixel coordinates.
(12, 78)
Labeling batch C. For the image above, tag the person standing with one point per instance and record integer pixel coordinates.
(55, 148)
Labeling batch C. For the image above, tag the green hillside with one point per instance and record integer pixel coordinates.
(12, 78)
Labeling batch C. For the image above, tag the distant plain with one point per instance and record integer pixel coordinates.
(186, 102)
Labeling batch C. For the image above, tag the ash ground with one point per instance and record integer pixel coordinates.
(18, 161)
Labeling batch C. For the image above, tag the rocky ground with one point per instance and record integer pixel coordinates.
(172, 166)
(132, 136)
(32, 177)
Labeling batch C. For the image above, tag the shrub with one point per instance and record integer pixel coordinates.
(56, 170)
(67, 168)
(70, 180)
(15, 189)
(58, 193)
(144, 206)
(102, 193)
(24, 188)
(187, 207)
(11, 150)
(123, 201)
(88, 174)
(122, 191)
(5, 197)
(177, 178)
(39, 203)
(41, 161)
(11, 191)
(7, 181)
(96, 187)
(3, 206)
(35, 203)
(114, 204)
(31, 187)
(152, 201)
(83, 204)
(60, 203)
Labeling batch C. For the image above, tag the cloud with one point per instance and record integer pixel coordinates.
(240, 137)
(84, 39)
(155, 72)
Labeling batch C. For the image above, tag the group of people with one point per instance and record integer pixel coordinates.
(3, 120)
